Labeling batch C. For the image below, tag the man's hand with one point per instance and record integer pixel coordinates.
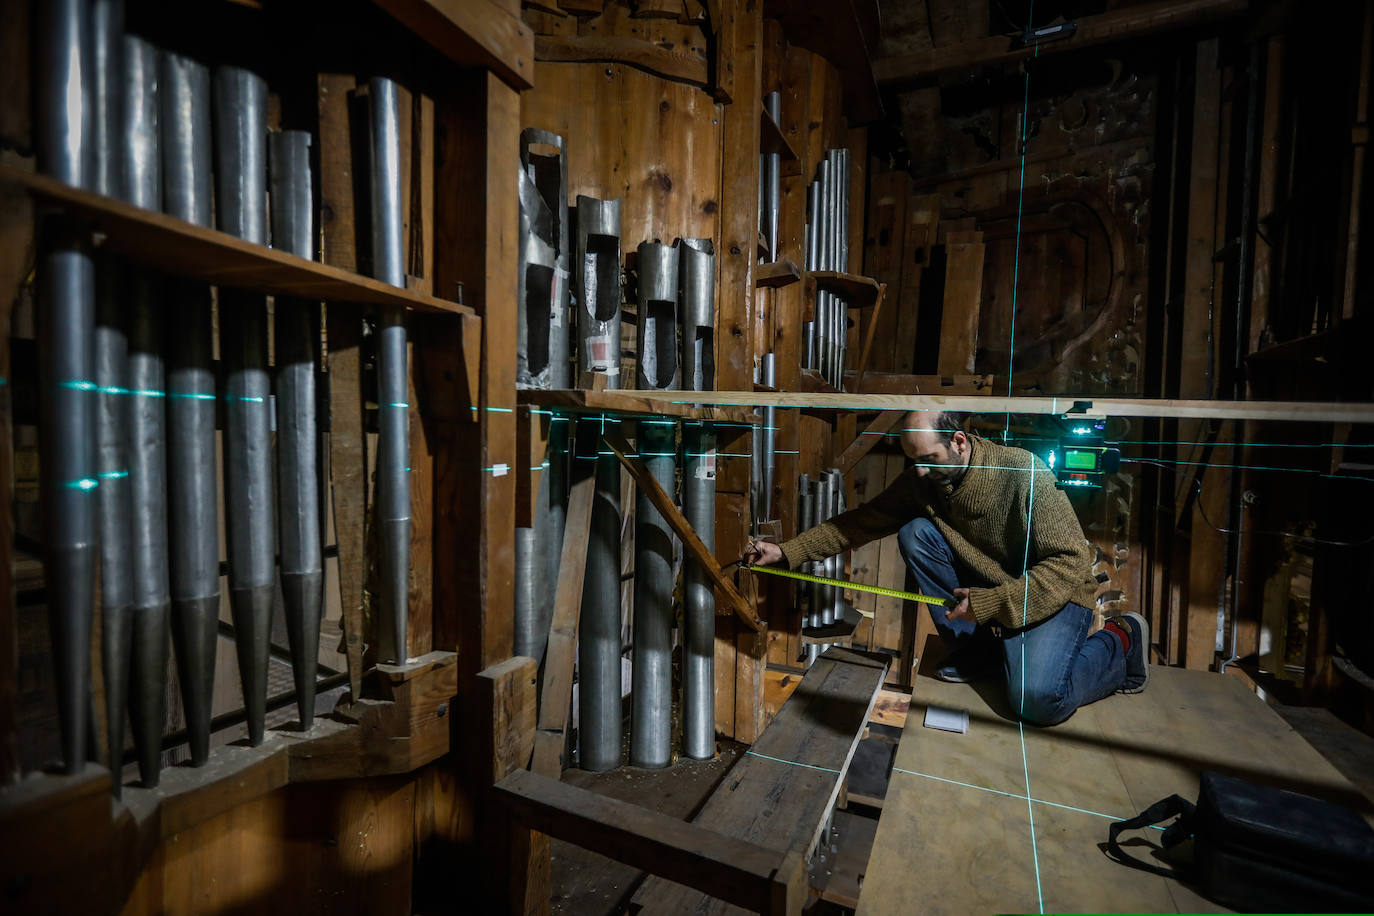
(761, 553)
(962, 609)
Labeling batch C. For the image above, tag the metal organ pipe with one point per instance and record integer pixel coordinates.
(598, 643)
(151, 594)
(696, 300)
(185, 123)
(112, 384)
(596, 280)
(298, 470)
(393, 440)
(240, 102)
(66, 297)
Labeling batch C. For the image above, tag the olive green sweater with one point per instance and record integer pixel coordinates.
(984, 518)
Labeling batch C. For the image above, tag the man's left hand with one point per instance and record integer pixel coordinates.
(962, 609)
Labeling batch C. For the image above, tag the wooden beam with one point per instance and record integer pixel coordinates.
(678, 522)
(16, 251)
(174, 246)
(863, 443)
(1296, 411)
(562, 647)
(734, 870)
(472, 33)
(679, 64)
(1127, 24)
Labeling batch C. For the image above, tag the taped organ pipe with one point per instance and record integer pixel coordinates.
(549, 173)
(536, 263)
(184, 94)
(151, 595)
(298, 468)
(596, 282)
(240, 108)
(657, 366)
(393, 439)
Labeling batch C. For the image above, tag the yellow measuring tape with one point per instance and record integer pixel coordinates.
(856, 586)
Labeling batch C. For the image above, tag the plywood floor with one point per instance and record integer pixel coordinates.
(1012, 819)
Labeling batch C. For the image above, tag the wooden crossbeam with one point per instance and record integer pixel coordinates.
(871, 436)
(567, 612)
(731, 869)
(678, 522)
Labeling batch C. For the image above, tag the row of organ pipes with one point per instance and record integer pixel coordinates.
(572, 330)
(130, 393)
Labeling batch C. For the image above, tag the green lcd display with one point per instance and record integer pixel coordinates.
(1080, 460)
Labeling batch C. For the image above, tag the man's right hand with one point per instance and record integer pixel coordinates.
(762, 553)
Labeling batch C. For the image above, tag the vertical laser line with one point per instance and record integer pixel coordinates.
(1006, 433)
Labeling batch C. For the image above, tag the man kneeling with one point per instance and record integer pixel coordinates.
(1002, 544)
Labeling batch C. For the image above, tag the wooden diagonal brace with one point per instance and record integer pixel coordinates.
(678, 522)
(864, 442)
(567, 613)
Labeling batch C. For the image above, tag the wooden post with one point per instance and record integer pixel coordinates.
(16, 231)
(739, 36)
(963, 294)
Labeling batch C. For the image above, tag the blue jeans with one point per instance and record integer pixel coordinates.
(1052, 667)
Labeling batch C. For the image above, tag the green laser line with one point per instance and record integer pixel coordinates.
(856, 586)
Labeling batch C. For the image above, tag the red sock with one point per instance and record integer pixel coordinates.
(1120, 633)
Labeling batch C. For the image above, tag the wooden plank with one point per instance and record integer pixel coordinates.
(767, 799)
(883, 261)
(730, 869)
(1141, 748)
(680, 64)
(923, 215)
(508, 692)
(1113, 26)
(472, 33)
(562, 646)
(628, 403)
(781, 272)
(873, 433)
(176, 247)
(1359, 141)
(681, 527)
(962, 303)
(860, 291)
(1296, 411)
(895, 383)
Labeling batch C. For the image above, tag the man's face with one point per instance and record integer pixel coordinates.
(934, 457)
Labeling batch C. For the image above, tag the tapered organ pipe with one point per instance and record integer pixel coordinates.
(240, 109)
(393, 439)
(112, 385)
(658, 310)
(842, 263)
(699, 606)
(598, 644)
(813, 227)
(549, 172)
(652, 692)
(185, 123)
(147, 423)
(66, 297)
(825, 342)
(596, 286)
(298, 473)
(825, 593)
(806, 509)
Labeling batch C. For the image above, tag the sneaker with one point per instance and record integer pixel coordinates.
(966, 666)
(1138, 658)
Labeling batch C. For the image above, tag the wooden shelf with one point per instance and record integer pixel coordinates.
(812, 382)
(860, 292)
(783, 272)
(818, 399)
(173, 246)
(632, 404)
(773, 140)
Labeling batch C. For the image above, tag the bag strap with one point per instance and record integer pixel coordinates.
(1158, 812)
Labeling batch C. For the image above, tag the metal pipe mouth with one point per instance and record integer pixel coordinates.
(539, 283)
(601, 270)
